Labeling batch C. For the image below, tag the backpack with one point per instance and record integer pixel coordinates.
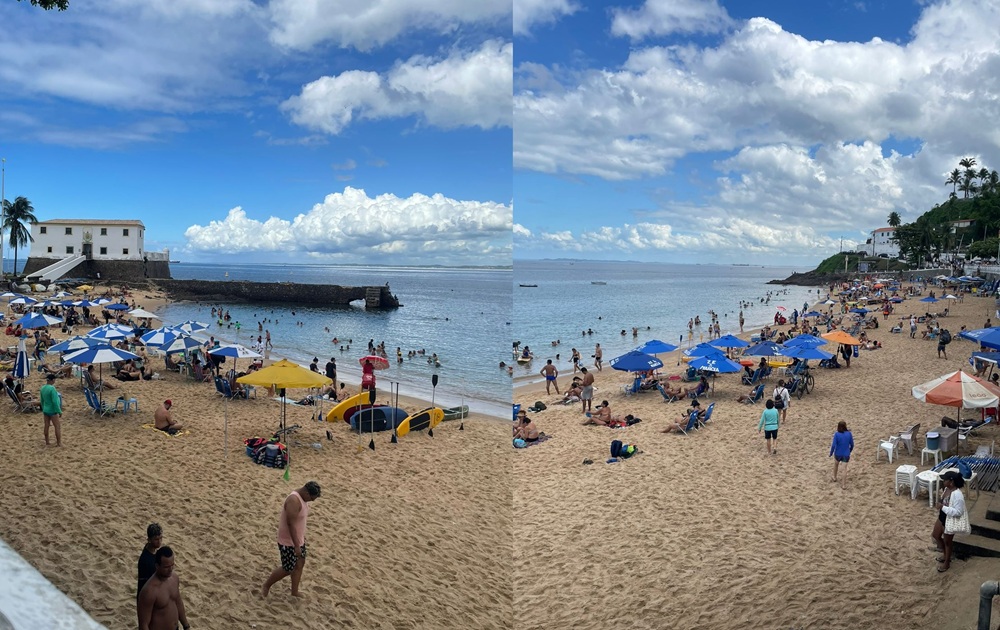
(945, 337)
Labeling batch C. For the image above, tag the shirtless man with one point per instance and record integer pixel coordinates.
(550, 373)
(587, 394)
(598, 357)
(160, 604)
(163, 419)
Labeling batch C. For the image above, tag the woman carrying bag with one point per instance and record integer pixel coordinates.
(953, 517)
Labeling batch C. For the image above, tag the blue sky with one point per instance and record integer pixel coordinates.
(275, 130)
(743, 131)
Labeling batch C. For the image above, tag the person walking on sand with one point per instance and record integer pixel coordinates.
(913, 326)
(587, 393)
(147, 559)
(840, 450)
(782, 399)
(598, 357)
(160, 605)
(769, 424)
(51, 408)
(267, 340)
(575, 358)
(551, 373)
(292, 537)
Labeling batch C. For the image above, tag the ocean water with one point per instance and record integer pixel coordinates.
(658, 298)
(461, 314)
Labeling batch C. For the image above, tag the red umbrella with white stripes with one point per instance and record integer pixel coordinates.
(958, 389)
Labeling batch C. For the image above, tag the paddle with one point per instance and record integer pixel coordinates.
(434, 384)
(371, 401)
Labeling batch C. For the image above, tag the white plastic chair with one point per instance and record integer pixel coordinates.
(985, 451)
(889, 446)
(908, 437)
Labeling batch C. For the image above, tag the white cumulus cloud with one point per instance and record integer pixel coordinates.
(466, 89)
(350, 225)
(301, 24)
(529, 13)
(665, 17)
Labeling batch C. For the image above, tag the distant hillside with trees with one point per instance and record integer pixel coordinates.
(974, 198)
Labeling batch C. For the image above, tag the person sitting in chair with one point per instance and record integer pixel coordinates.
(163, 419)
(129, 372)
(95, 384)
(681, 424)
(61, 371)
(170, 364)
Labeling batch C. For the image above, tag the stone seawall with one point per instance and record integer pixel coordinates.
(284, 292)
(114, 271)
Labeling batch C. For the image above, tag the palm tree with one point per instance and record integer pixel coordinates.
(17, 214)
(984, 178)
(954, 178)
(967, 163)
(894, 220)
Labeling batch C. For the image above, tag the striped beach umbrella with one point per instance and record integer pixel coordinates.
(79, 342)
(21, 368)
(181, 343)
(958, 389)
(191, 326)
(23, 299)
(37, 320)
(111, 331)
(159, 336)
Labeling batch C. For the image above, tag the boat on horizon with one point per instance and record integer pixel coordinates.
(530, 286)
(597, 282)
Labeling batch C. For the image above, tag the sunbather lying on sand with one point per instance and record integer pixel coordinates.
(61, 371)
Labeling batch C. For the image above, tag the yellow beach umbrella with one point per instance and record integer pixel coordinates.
(839, 336)
(85, 287)
(285, 374)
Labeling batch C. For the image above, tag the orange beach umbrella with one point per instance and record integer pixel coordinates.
(839, 336)
(958, 389)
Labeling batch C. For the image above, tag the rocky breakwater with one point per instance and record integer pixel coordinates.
(812, 279)
(285, 292)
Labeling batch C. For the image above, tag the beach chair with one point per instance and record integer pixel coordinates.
(219, 387)
(963, 432)
(18, 405)
(703, 421)
(692, 422)
(890, 447)
(666, 397)
(754, 378)
(95, 404)
(698, 392)
(755, 396)
(632, 388)
(908, 437)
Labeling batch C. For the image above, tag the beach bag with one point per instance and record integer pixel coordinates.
(945, 337)
(964, 469)
(616, 448)
(958, 524)
(519, 443)
(779, 399)
(540, 406)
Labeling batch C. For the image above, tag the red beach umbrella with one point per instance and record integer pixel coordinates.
(378, 363)
(958, 389)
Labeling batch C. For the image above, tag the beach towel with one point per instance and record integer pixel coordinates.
(153, 427)
(542, 437)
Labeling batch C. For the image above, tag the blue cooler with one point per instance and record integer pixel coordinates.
(517, 408)
(933, 441)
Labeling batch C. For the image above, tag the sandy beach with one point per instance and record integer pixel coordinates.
(706, 531)
(412, 535)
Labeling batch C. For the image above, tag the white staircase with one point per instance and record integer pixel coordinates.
(58, 269)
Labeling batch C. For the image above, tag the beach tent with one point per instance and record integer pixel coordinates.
(283, 375)
(960, 390)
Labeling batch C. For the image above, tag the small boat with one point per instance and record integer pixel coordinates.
(530, 286)
(597, 282)
(455, 413)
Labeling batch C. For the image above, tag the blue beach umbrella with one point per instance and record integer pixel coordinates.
(79, 342)
(813, 314)
(110, 331)
(764, 349)
(159, 336)
(729, 341)
(191, 326)
(100, 355)
(655, 346)
(717, 364)
(806, 352)
(808, 340)
(182, 343)
(633, 361)
(895, 300)
(21, 368)
(986, 337)
(703, 350)
(86, 303)
(23, 299)
(929, 299)
(863, 311)
(37, 320)
(117, 307)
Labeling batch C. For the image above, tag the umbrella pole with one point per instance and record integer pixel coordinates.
(225, 439)
(434, 383)
(395, 438)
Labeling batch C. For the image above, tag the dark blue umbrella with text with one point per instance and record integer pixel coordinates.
(716, 364)
(703, 350)
(635, 361)
(929, 298)
(806, 340)
(117, 307)
(986, 337)
(764, 349)
(728, 341)
(806, 352)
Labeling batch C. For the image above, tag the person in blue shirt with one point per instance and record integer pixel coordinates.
(840, 450)
(769, 424)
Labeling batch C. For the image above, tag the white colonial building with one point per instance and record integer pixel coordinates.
(99, 239)
(883, 242)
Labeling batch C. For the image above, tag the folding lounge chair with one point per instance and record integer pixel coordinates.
(692, 423)
(95, 404)
(754, 378)
(666, 397)
(703, 421)
(698, 392)
(755, 396)
(18, 405)
(633, 388)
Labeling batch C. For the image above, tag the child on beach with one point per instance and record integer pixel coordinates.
(840, 450)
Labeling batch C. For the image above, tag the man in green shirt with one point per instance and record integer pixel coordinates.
(51, 408)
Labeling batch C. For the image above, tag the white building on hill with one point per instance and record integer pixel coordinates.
(883, 242)
(101, 239)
